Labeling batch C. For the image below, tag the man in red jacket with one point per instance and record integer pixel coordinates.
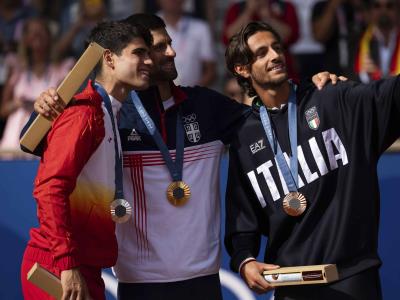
(75, 183)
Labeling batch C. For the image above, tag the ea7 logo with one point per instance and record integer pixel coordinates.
(257, 146)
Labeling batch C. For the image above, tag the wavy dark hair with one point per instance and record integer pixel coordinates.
(238, 52)
(116, 35)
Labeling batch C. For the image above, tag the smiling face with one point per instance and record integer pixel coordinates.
(133, 65)
(268, 68)
(163, 56)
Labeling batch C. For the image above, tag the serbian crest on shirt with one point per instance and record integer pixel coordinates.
(312, 118)
(192, 128)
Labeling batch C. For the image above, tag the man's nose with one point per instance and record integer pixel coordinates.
(170, 51)
(148, 61)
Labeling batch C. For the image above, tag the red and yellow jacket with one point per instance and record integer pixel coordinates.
(75, 185)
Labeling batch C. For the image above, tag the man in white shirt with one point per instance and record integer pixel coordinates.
(193, 42)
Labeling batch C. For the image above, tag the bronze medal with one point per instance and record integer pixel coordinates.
(294, 204)
(178, 193)
(121, 210)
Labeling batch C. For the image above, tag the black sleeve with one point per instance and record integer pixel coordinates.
(40, 147)
(242, 228)
(375, 112)
(228, 115)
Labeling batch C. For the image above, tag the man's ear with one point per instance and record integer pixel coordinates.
(108, 58)
(242, 71)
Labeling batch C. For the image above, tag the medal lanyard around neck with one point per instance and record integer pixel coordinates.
(289, 173)
(119, 186)
(175, 168)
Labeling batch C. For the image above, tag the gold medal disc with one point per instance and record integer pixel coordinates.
(294, 204)
(121, 210)
(178, 193)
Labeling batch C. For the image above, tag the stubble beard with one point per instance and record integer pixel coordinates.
(161, 74)
(270, 84)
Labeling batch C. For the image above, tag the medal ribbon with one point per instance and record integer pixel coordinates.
(289, 173)
(119, 186)
(175, 168)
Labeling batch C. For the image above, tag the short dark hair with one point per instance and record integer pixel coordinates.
(239, 53)
(116, 35)
(149, 21)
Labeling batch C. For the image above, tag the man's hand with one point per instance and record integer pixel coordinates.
(49, 104)
(251, 273)
(74, 285)
(321, 79)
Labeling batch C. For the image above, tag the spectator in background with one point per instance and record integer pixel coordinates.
(80, 19)
(193, 42)
(378, 49)
(307, 52)
(333, 25)
(280, 14)
(202, 9)
(37, 73)
(233, 90)
(120, 9)
(12, 15)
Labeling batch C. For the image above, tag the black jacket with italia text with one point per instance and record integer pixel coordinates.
(342, 131)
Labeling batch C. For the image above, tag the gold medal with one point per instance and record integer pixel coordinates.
(294, 204)
(121, 210)
(178, 193)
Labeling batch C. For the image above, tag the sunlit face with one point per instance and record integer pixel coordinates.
(268, 68)
(133, 65)
(163, 56)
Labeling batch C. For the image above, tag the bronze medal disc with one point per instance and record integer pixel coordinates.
(294, 204)
(121, 210)
(178, 193)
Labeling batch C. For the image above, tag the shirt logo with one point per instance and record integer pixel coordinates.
(134, 136)
(257, 146)
(312, 118)
(192, 128)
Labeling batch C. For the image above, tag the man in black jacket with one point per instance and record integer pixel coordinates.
(303, 172)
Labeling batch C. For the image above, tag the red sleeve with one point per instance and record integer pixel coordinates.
(230, 17)
(74, 137)
(290, 18)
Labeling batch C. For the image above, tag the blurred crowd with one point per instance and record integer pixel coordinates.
(40, 41)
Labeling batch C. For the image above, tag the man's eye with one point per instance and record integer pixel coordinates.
(261, 54)
(159, 47)
(140, 52)
(278, 48)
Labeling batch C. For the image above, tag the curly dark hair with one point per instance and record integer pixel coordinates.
(116, 35)
(238, 52)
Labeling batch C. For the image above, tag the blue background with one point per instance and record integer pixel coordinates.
(18, 214)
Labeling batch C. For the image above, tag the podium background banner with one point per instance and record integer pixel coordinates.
(18, 215)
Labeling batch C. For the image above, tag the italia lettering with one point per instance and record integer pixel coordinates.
(335, 151)
(264, 169)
